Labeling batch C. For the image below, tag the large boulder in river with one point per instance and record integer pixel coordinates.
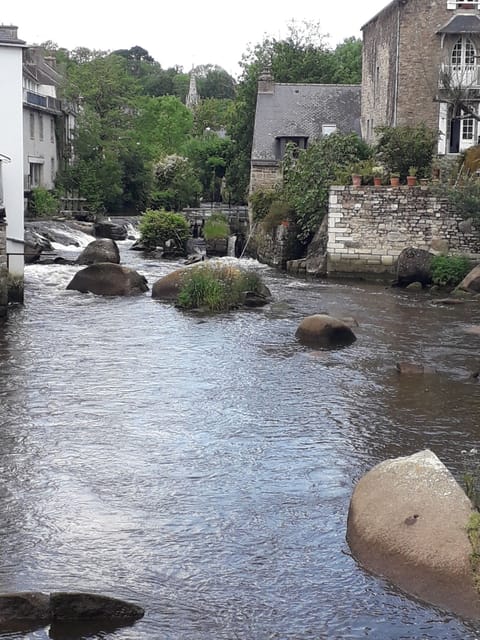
(89, 606)
(408, 522)
(324, 331)
(108, 279)
(252, 292)
(168, 287)
(109, 229)
(30, 606)
(103, 250)
(414, 265)
(471, 282)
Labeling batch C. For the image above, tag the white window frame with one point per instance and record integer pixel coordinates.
(463, 4)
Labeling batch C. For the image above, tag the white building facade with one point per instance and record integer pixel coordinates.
(11, 144)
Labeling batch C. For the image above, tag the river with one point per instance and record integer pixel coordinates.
(202, 467)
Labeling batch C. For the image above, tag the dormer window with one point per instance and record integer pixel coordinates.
(463, 4)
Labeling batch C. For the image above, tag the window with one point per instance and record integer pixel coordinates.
(52, 169)
(281, 143)
(52, 130)
(463, 54)
(328, 129)
(463, 4)
(40, 126)
(468, 125)
(32, 126)
(36, 171)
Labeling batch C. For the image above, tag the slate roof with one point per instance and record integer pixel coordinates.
(8, 35)
(300, 110)
(462, 23)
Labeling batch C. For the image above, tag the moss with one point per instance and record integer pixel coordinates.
(473, 531)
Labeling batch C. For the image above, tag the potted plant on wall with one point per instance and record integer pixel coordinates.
(378, 174)
(394, 179)
(412, 176)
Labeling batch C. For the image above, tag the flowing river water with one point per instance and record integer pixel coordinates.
(202, 467)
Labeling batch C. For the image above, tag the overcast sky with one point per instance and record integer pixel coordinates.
(182, 32)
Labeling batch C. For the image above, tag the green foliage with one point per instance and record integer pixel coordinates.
(449, 270)
(156, 227)
(214, 82)
(43, 203)
(399, 148)
(261, 200)
(308, 177)
(216, 227)
(464, 196)
(161, 127)
(212, 114)
(216, 288)
(209, 156)
(278, 212)
(175, 177)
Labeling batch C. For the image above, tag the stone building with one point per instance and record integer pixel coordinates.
(413, 50)
(298, 113)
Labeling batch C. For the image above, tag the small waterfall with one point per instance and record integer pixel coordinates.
(232, 241)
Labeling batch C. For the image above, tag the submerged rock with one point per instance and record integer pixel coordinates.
(408, 521)
(412, 368)
(324, 331)
(108, 279)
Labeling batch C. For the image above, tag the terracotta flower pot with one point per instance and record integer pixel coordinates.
(377, 181)
(411, 181)
(395, 182)
(356, 180)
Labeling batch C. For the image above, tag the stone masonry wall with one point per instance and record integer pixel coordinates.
(3, 269)
(368, 227)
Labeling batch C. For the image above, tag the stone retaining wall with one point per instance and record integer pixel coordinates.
(368, 227)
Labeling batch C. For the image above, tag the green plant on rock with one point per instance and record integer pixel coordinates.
(156, 227)
(216, 227)
(43, 203)
(449, 271)
(215, 288)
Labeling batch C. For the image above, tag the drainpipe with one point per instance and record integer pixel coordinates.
(397, 68)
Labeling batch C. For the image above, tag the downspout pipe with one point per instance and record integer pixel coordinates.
(397, 68)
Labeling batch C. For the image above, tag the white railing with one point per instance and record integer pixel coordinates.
(467, 77)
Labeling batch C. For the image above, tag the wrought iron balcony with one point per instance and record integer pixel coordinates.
(37, 100)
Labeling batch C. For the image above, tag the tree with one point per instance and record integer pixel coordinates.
(347, 60)
(162, 125)
(308, 176)
(214, 82)
(210, 156)
(176, 185)
(212, 114)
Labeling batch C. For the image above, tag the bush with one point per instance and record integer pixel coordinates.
(216, 288)
(156, 227)
(216, 227)
(399, 148)
(449, 270)
(261, 200)
(43, 203)
(278, 212)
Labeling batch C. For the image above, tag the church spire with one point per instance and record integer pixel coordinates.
(192, 96)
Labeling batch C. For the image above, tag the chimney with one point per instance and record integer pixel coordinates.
(8, 32)
(51, 61)
(265, 81)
